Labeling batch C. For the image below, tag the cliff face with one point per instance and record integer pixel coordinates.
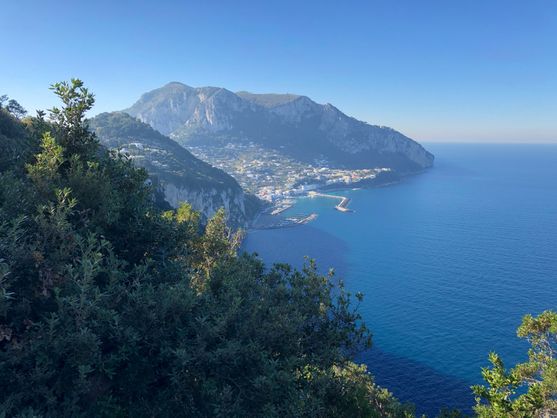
(183, 177)
(177, 106)
(238, 206)
(349, 141)
(294, 124)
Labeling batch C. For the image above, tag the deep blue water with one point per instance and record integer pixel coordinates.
(449, 261)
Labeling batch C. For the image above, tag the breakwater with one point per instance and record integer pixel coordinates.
(342, 206)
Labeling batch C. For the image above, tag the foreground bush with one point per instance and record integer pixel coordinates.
(530, 388)
(111, 307)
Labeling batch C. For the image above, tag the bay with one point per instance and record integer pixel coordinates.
(449, 261)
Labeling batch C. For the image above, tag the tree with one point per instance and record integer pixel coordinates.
(45, 170)
(111, 307)
(217, 245)
(529, 389)
(69, 120)
(16, 109)
(185, 215)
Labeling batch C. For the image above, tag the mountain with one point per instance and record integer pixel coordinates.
(183, 177)
(294, 124)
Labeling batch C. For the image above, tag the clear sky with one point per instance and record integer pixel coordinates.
(450, 70)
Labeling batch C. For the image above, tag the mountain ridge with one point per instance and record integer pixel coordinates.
(296, 124)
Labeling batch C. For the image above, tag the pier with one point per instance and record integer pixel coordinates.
(342, 206)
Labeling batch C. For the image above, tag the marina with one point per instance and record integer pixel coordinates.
(342, 206)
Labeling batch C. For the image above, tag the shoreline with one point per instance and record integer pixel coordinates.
(272, 217)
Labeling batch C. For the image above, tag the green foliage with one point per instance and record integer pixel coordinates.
(186, 214)
(349, 391)
(16, 109)
(69, 121)
(15, 142)
(45, 170)
(218, 245)
(110, 307)
(160, 155)
(450, 413)
(529, 389)
(173, 167)
(12, 106)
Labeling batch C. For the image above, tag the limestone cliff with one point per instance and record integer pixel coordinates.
(294, 124)
(183, 177)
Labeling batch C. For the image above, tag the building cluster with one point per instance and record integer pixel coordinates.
(273, 176)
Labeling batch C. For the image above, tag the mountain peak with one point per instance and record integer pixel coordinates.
(177, 84)
(295, 124)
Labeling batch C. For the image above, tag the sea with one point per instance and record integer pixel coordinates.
(449, 261)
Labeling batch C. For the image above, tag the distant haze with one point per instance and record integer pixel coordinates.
(435, 70)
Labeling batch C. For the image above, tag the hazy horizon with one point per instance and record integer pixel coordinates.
(435, 71)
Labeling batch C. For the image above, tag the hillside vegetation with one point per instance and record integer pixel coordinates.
(111, 306)
(180, 175)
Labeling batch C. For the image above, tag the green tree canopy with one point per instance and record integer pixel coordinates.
(111, 307)
(530, 388)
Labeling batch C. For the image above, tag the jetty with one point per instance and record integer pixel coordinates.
(342, 206)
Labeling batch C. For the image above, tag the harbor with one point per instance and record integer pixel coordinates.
(274, 217)
(342, 206)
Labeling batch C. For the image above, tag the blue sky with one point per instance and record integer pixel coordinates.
(449, 70)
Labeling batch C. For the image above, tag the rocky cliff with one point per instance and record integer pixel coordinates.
(183, 177)
(294, 124)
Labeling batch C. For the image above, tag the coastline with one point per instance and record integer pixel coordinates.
(440, 263)
(272, 217)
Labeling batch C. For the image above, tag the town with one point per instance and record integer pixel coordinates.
(275, 177)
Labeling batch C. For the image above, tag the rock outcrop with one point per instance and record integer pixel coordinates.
(183, 177)
(294, 124)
